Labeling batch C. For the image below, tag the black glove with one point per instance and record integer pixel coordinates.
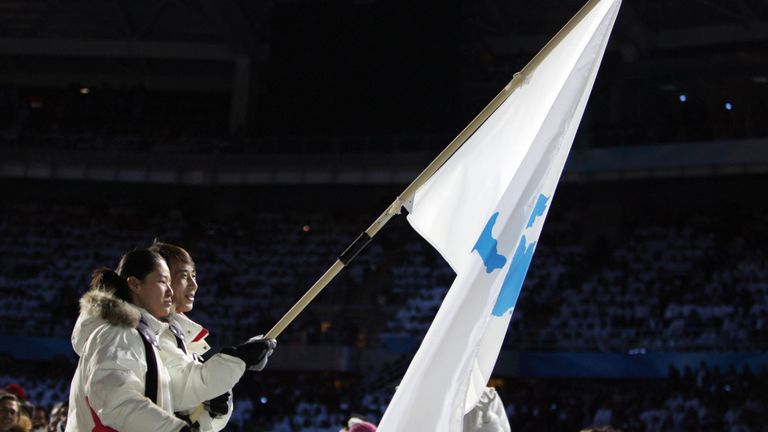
(254, 352)
(219, 405)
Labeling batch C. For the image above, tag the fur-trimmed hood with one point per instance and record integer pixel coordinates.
(97, 308)
(104, 305)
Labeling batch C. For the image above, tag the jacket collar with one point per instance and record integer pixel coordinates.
(156, 326)
(192, 331)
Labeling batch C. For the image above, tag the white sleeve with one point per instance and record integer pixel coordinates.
(193, 383)
(496, 411)
(488, 415)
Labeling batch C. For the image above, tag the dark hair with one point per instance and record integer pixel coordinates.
(171, 253)
(137, 263)
(5, 395)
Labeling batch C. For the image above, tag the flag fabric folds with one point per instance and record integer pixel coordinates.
(483, 210)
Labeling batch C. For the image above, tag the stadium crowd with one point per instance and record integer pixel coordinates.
(659, 285)
(698, 398)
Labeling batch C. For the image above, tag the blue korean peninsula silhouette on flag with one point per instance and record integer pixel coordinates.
(486, 246)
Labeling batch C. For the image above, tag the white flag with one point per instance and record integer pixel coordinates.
(483, 210)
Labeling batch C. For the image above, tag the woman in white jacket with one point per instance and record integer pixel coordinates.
(116, 337)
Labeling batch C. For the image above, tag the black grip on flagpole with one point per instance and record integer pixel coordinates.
(355, 248)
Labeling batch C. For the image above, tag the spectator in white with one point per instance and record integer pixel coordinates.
(200, 391)
(488, 415)
(10, 412)
(58, 421)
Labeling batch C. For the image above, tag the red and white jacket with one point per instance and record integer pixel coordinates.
(193, 382)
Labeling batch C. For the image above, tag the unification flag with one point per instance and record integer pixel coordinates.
(483, 210)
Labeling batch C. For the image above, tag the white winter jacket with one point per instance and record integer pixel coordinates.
(193, 382)
(107, 392)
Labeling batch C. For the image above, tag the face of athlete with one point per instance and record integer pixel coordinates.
(154, 292)
(184, 283)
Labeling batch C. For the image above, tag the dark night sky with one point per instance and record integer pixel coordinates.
(378, 66)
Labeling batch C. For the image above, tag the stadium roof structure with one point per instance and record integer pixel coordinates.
(231, 46)
(245, 27)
